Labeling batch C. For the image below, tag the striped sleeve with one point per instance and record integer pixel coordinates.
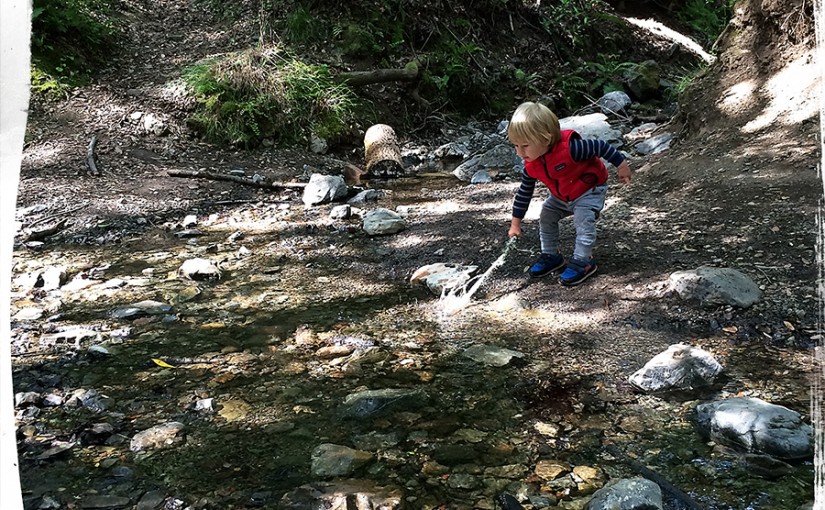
(523, 196)
(581, 150)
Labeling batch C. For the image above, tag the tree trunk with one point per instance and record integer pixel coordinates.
(382, 152)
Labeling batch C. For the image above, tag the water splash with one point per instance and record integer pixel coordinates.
(458, 297)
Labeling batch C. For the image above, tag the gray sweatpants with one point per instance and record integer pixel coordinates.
(584, 210)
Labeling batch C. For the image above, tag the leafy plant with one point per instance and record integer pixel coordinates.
(606, 76)
(707, 18)
(69, 38)
(262, 93)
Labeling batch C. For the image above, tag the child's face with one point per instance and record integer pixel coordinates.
(530, 151)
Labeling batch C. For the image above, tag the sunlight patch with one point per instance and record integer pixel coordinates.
(793, 94)
(737, 96)
(656, 28)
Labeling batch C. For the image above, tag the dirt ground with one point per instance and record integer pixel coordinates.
(739, 188)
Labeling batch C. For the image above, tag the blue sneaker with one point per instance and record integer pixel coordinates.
(546, 264)
(577, 271)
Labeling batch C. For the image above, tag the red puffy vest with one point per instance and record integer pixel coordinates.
(567, 179)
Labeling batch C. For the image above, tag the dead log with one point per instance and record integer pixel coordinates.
(359, 78)
(382, 152)
(39, 235)
(90, 157)
(204, 174)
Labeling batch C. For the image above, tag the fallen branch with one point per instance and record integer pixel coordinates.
(55, 215)
(90, 157)
(203, 174)
(359, 78)
(39, 235)
(651, 475)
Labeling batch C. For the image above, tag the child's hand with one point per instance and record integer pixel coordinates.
(515, 231)
(624, 173)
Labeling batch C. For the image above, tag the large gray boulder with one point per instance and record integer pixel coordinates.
(712, 286)
(755, 426)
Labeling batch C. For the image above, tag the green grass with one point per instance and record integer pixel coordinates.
(262, 93)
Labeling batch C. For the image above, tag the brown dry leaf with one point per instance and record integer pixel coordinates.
(730, 329)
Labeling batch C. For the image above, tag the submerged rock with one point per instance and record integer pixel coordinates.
(339, 494)
(627, 494)
(372, 403)
(331, 460)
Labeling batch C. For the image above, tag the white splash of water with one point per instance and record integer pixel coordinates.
(458, 297)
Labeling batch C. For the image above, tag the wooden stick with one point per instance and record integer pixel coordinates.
(90, 157)
(203, 174)
(55, 215)
(43, 234)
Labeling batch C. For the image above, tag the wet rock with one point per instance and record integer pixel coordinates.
(373, 403)
(190, 220)
(58, 448)
(680, 367)
(331, 460)
(455, 454)
(492, 355)
(159, 436)
(765, 466)
(375, 441)
(711, 286)
(463, 481)
(26, 398)
(654, 145)
(368, 195)
(340, 212)
(382, 221)
(465, 171)
(442, 277)
(481, 177)
(627, 494)
(340, 494)
(150, 500)
(551, 469)
(614, 102)
(754, 426)
(199, 269)
(324, 188)
(104, 501)
(141, 309)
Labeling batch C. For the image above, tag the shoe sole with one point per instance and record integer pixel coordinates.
(549, 271)
(583, 278)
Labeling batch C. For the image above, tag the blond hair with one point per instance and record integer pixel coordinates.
(534, 123)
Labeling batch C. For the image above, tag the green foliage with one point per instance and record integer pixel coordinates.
(302, 26)
(69, 38)
(571, 21)
(707, 18)
(606, 76)
(260, 93)
(45, 85)
(683, 81)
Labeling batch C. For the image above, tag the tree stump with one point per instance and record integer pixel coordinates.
(382, 152)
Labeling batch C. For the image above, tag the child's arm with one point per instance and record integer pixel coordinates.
(581, 150)
(521, 202)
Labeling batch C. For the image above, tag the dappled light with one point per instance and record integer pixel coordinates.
(793, 95)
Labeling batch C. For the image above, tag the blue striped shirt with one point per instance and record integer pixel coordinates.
(580, 150)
